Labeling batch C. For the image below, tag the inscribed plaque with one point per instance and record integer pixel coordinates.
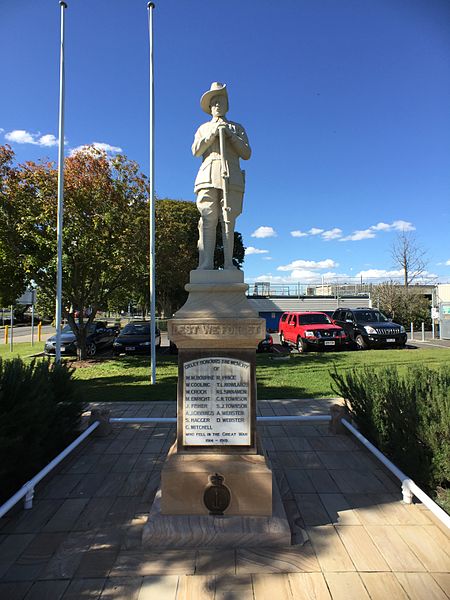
(216, 402)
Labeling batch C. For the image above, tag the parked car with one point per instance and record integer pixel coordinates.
(368, 327)
(307, 330)
(99, 336)
(265, 345)
(135, 339)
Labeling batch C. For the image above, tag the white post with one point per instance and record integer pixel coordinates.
(423, 332)
(412, 331)
(11, 320)
(59, 233)
(32, 317)
(150, 7)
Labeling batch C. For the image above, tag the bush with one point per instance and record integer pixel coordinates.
(40, 413)
(407, 418)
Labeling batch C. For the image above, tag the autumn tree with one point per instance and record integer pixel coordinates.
(13, 274)
(105, 214)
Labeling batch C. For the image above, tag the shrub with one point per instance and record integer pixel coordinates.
(406, 417)
(40, 412)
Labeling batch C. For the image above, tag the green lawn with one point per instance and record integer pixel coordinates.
(22, 349)
(127, 379)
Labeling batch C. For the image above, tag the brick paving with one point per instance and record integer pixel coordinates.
(82, 537)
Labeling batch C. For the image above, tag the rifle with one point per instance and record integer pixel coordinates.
(225, 176)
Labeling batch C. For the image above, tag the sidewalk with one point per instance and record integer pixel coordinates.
(82, 538)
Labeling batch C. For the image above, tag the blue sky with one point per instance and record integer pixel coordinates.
(346, 104)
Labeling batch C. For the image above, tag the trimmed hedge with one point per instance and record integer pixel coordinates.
(407, 417)
(40, 412)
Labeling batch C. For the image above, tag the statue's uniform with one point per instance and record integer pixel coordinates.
(208, 187)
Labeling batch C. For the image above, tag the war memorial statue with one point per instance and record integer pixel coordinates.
(217, 488)
(220, 182)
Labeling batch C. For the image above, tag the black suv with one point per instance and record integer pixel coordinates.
(369, 327)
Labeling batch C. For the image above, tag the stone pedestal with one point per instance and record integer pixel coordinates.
(217, 332)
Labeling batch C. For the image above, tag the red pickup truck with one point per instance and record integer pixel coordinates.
(307, 330)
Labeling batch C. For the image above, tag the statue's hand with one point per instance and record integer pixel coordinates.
(226, 130)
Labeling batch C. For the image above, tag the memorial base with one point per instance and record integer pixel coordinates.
(185, 477)
(188, 531)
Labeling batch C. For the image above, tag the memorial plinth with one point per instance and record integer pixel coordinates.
(216, 475)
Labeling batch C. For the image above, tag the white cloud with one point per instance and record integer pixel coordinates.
(267, 258)
(21, 136)
(264, 232)
(1, 130)
(447, 263)
(403, 226)
(332, 234)
(48, 140)
(328, 263)
(98, 146)
(297, 233)
(359, 234)
(381, 227)
(379, 273)
(253, 250)
(315, 231)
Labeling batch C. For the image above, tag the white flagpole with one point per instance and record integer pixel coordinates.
(63, 6)
(150, 7)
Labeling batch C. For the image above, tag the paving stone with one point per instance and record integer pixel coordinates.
(322, 480)
(346, 586)
(308, 586)
(394, 549)
(361, 548)
(335, 443)
(88, 485)
(60, 485)
(84, 589)
(47, 590)
(421, 586)
(11, 548)
(330, 551)
(276, 560)
(309, 460)
(34, 558)
(298, 481)
(443, 580)
(215, 561)
(124, 463)
(121, 511)
(122, 588)
(111, 485)
(339, 509)
(34, 519)
(135, 484)
(383, 585)
(268, 587)
(425, 547)
(15, 590)
(81, 464)
(164, 562)
(312, 510)
(66, 516)
(237, 587)
(67, 557)
(200, 587)
(93, 514)
(357, 482)
(145, 462)
(104, 464)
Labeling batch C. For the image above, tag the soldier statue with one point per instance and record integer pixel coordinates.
(220, 182)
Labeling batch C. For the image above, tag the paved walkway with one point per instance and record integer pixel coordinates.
(82, 538)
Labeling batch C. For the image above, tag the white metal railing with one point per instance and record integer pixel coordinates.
(27, 490)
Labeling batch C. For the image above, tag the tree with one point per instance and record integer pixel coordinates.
(403, 305)
(409, 256)
(12, 269)
(104, 239)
